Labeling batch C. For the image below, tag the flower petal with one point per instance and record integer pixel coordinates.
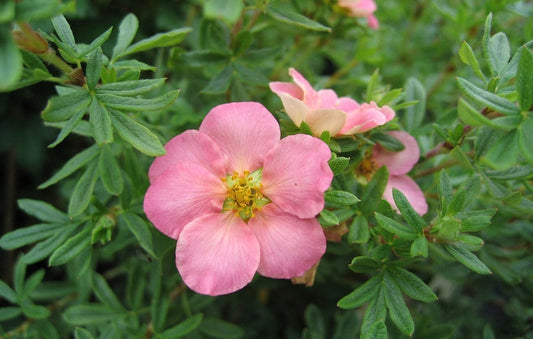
(193, 147)
(372, 21)
(302, 82)
(180, 194)
(330, 120)
(327, 98)
(397, 162)
(289, 245)
(217, 254)
(295, 109)
(366, 117)
(347, 104)
(296, 174)
(287, 88)
(410, 189)
(244, 131)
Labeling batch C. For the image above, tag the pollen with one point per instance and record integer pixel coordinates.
(244, 195)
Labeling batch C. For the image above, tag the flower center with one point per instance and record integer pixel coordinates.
(366, 168)
(244, 196)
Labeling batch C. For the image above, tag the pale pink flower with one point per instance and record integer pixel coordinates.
(362, 9)
(323, 111)
(398, 164)
(239, 200)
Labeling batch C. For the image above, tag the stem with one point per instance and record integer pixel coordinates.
(51, 57)
(434, 169)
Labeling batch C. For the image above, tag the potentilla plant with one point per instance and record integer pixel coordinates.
(252, 174)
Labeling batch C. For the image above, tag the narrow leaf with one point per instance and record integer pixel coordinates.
(167, 39)
(71, 166)
(71, 248)
(69, 127)
(104, 293)
(362, 294)
(137, 104)
(359, 232)
(141, 230)
(109, 171)
(290, 17)
(96, 43)
(396, 228)
(89, 314)
(525, 139)
(468, 57)
(136, 134)
(184, 327)
(408, 213)
(419, 247)
(42, 211)
(412, 285)
(94, 68)
(27, 235)
(414, 91)
(101, 123)
(499, 52)
(341, 197)
(218, 328)
(7, 292)
(126, 32)
(63, 30)
(398, 311)
(83, 191)
(375, 313)
(374, 191)
(10, 59)
(130, 88)
(64, 107)
(467, 258)
(488, 99)
(44, 248)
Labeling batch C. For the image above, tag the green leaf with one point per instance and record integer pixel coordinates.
(71, 248)
(243, 41)
(220, 82)
(7, 11)
(89, 314)
(7, 313)
(412, 285)
(7, 292)
(374, 191)
(10, 59)
(96, 43)
(390, 96)
(44, 248)
(359, 232)
(32, 282)
(94, 68)
(100, 123)
(524, 82)
(130, 88)
(184, 327)
(133, 65)
(389, 142)
(471, 116)
(218, 328)
(467, 56)
(104, 293)
(83, 191)
(470, 242)
(414, 91)
(18, 277)
(378, 330)
(328, 218)
(137, 104)
(34, 311)
(398, 311)
(126, 32)
(69, 127)
(485, 41)
(499, 53)
(167, 39)
(364, 265)
(42, 211)
(445, 190)
(64, 107)
(71, 166)
(504, 152)
(467, 258)
(27, 235)
(30, 10)
(341, 197)
(226, 10)
(290, 17)
(63, 30)
(525, 139)
(136, 134)
(140, 228)
(513, 173)
(396, 228)
(362, 294)
(408, 213)
(81, 333)
(338, 164)
(375, 313)
(419, 247)
(488, 99)
(109, 171)
(457, 202)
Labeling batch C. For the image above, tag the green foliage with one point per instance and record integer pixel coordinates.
(92, 266)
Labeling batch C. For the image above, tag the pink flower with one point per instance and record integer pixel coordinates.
(239, 200)
(362, 9)
(323, 111)
(398, 164)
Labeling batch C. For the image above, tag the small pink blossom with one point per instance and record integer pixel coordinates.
(239, 200)
(362, 9)
(323, 111)
(398, 164)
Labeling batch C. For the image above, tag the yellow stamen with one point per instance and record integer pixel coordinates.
(244, 195)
